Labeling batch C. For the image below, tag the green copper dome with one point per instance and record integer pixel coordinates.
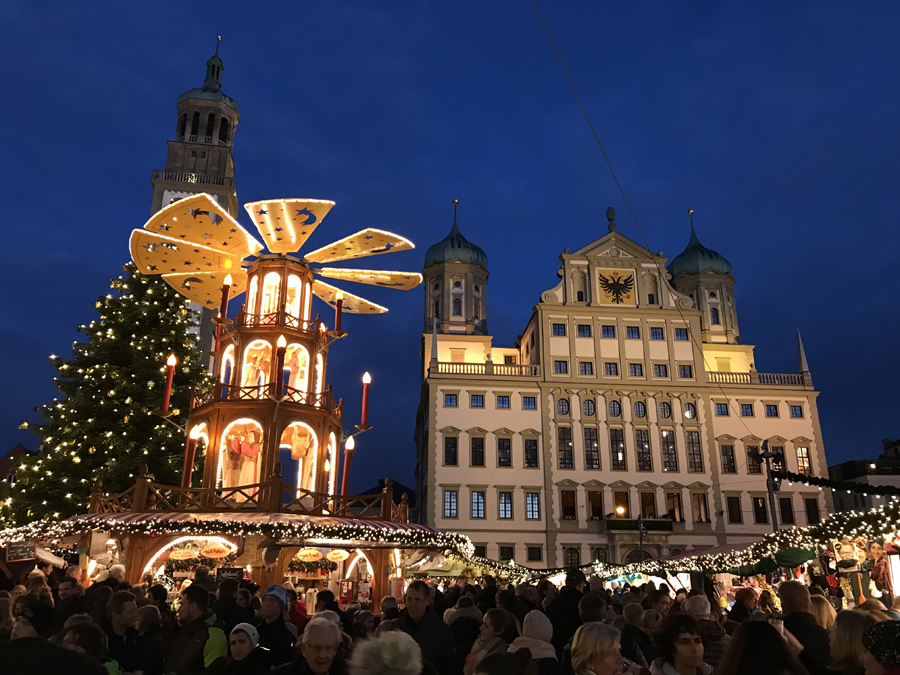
(212, 85)
(696, 259)
(455, 246)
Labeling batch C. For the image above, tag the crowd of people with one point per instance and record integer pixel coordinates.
(584, 628)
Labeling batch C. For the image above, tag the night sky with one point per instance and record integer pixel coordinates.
(775, 122)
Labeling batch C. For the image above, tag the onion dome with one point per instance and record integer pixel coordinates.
(455, 247)
(212, 85)
(696, 259)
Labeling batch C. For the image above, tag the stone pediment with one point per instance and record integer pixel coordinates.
(646, 485)
(751, 440)
(593, 483)
(449, 430)
(620, 484)
(801, 440)
(614, 246)
(697, 485)
(776, 440)
(476, 431)
(530, 432)
(503, 431)
(567, 483)
(726, 438)
(672, 485)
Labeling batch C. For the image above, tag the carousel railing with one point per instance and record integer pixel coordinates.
(226, 392)
(280, 317)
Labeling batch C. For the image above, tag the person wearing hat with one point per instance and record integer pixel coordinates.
(882, 649)
(274, 634)
(563, 610)
(246, 656)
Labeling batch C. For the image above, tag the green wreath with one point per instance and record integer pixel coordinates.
(191, 564)
(316, 566)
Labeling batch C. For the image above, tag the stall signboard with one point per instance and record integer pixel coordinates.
(215, 551)
(309, 555)
(337, 555)
(182, 554)
(347, 593)
(229, 573)
(20, 550)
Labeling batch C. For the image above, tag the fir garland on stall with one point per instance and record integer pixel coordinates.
(295, 565)
(191, 564)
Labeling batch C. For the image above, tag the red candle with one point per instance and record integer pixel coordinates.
(279, 365)
(367, 379)
(338, 310)
(189, 458)
(226, 287)
(348, 457)
(170, 373)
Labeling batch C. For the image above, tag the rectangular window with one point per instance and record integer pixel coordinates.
(567, 504)
(657, 334)
(796, 412)
(642, 449)
(534, 554)
(660, 370)
(585, 368)
(622, 504)
(694, 453)
(812, 511)
(477, 447)
(636, 369)
(760, 512)
(746, 410)
(503, 402)
(450, 451)
(591, 449)
(685, 372)
(611, 369)
(728, 462)
(722, 409)
(481, 550)
(617, 449)
(584, 330)
(532, 506)
(771, 410)
(803, 464)
(681, 334)
(509, 359)
(477, 401)
(564, 437)
(669, 453)
(595, 505)
(529, 403)
(673, 506)
(559, 330)
(561, 367)
(507, 552)
(633, 332)
(450, 400)
(752, 465)
(648, 505)
(786, 507)
(504, 452)
(505, 503)
(478, 504)
(699, 507)
(778, 460)
(608, 331)
(531, 453)
(734, 510)
(450, 497)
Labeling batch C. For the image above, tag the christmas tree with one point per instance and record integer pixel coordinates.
(106, 426)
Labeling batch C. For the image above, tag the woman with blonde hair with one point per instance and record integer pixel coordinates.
(596, 650)
(876, 609)
(823, 611)
(845, 641)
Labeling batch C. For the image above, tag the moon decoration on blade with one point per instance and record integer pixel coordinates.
(193, 243)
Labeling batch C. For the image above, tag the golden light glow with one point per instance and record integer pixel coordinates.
(281, 342)
(228, 280)
(195, 432)
(339, 296)
(351, 443)
(367, 379)
(402, 281)
(327, 465)
(181, 540)
(370, 241)
(171, 361)
(620, 510)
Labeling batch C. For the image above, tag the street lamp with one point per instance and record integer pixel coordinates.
(771, 485)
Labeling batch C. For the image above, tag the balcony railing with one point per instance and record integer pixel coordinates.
(262, 392)
(631, 524)
(489, 368)
(188, 177)
(782, 379)
(280, 317)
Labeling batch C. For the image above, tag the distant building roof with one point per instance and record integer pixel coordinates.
(455, 247)
(696, 259)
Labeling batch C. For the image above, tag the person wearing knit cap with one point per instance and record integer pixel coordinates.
(274, 634)
(34, 620)
(537, 633)
(882, 644)
(246, 656)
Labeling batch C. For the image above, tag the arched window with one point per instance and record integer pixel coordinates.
(293, 296)
(457, 307)
(580, 295)
(181, 125)
(690, 411)
(210, 125)
(296, 372)
(224, 130)
(227, 369)
(665, 410)
(714, 316)
(589, 408)
(298, 446)
(571, 557)
(256, 366)
(252, 292)
(271, 288)
(599, 555)
(195, 123)
(634, 556)
(562, 406)
(307, 303)
(640, 409)
(331, 464)
(320, 375)
(615, 409)
(239, 454)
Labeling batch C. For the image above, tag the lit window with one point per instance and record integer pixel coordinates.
(803, 464)
(640, 409)
(450, 502)
(567, 504)
(685, 372)
(657, 334)
(722, 409)
(562, 406)
(585, 368)
(450, 400)
(478, 504)
(529, 403)
(561, 367)
(665, 410)
(611, 369)
(681, 334)
(615, 409)
(589, 408)
(690, 411)
(746, 410)
(477, 401)
(636, 369)
(532, 506)
(796, 412)
(503, 401)
(633, 332)
(584, 330)
(771, 411)
(660, 370)
(559, 329)
(608, 331)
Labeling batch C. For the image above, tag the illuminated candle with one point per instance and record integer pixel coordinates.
(367, 380)
(189, 458)
(170, 373)
(338, 310)
(348, 457)
(279, 364)
(226, 287)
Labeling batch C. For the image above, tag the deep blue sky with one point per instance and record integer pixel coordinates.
(776, 122)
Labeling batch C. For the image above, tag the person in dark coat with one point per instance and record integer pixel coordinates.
(226, 608)
(118, 624)
(433, 636)
(71, 601)
(563, 609)
(273, 632)
(159, 596)
(200, 643)
(799, 620)
(204, 579)
(633, 618)
(745, 603)
(36, 655)
(247, 658)
(318, 651)
(151, 648)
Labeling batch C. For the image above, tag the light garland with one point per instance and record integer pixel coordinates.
(839, 485)
(184, 540)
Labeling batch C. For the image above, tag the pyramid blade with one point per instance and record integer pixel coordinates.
(352, 303)
(365, 242)
(199, 219)
(286, 224)
(155, 254)
(206, 288)
(403, 281)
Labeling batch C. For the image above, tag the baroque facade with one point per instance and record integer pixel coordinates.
(622, 421)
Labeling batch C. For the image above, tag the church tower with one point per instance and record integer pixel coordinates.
(456, 277)
(706, 276)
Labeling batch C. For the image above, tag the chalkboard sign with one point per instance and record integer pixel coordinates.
(20, 550)
(229, 573)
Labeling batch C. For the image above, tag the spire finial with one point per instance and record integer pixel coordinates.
(218, 40)
(611, 217)
(455, 204)
(804, 364)
(693, 232)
